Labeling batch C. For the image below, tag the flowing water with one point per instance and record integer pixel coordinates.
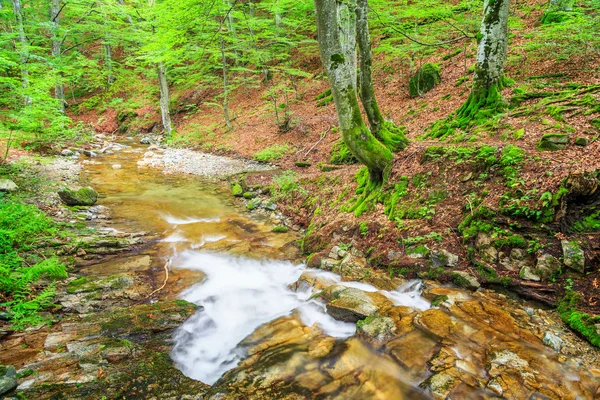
(253, 327)
(240, 267)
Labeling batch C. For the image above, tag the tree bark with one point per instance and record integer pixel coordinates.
(23, 52)
(109, 64)
(225, 86)
(367, 91)
(392, 136)
(164, 98)
(59, 91)
(489, 77)
(336, 30)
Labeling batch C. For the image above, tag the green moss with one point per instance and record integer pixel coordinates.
(392, 136)
(280, 229)
(581, 141)
(272, 153)
(236, 189)
(302, 164)
(553, 142)
(424, 79)
(340, 154)
(511, 241)
(437, 300)
(591, 223)
(252, 204)
(580, 322)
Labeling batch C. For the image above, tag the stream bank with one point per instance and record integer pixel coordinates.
(411, 341)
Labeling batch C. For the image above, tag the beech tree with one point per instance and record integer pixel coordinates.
(485, 99)
(338, 32)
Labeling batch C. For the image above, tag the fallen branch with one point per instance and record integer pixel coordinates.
(320, 140)
(166, 267)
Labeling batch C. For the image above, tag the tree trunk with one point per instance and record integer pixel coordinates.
(225, 87)
(491, 54)
(109, 64)
(164, 98)
(23, 52)
(336, 30)
(59, 91)
(122, 3)
(387, 132)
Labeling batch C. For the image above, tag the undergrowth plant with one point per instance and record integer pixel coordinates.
(26, 276)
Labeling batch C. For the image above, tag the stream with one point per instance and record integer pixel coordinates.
(257, 330)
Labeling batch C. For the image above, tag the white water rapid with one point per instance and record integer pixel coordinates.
(240, 294)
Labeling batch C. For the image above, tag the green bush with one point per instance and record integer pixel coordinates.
(424, 79)
(23, 292)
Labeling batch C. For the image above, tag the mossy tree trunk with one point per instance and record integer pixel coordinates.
(387, 132)
(491, 55)
(336, 30)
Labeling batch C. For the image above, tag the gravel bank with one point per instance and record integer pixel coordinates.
(197, 163)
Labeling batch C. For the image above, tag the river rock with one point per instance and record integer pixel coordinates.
(6, 185)
(85, 196)
(89, 153)
(443, 258)
(146, 140)
(466, 280)
(8, 378)
(67, 153)
(573, 256)
(351, 304)
(551, 340)
(379, 329)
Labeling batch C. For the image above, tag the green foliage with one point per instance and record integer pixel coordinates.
(363, 227)
(272, 153)
(285, 185)
(340, 154)
(580, 322)
(424, 79)
(22, 227)
(280, 229)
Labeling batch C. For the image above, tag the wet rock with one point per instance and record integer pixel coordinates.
(145, 140)
(334, 253)
(351, 304)
(529, 275)
(269, 205)
(85, 196)
(546, 266)
(551, 340)
(89, 153)
(8, 379)
(378, 329)
(466, 280)
(67, 153)
(443, 258)
(6, 185)
(573, 256)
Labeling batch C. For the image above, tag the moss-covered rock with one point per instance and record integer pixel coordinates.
(237, 190)
(553, 142)
(581, 141)
(424, 79)
(85, 196)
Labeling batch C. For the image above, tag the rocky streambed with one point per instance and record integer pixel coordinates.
(218, 306)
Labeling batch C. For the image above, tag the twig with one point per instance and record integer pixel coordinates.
(166, 267)
(319, 141)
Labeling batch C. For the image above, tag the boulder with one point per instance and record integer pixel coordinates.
(67, 153)
(379, 329)
(8, 378)
(573, 256)
(529, 275)
(443, 258)
(237, 190)
(89, 153)
(351, 305)
(85, 196)
(553, 141)
(6, 185)
(420, 251)
(466, 280)
(546, 266)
